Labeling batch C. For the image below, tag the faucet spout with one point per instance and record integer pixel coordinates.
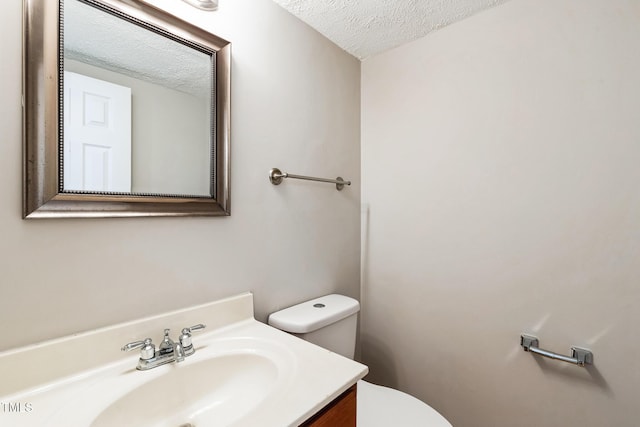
(178, 352)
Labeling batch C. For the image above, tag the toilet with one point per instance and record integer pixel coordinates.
(331, 322)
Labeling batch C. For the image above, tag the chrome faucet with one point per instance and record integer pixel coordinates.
(168, 350)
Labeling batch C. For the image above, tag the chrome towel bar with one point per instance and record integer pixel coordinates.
(276, 176)
(579, 356)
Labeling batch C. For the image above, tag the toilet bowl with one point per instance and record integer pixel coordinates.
(331, 322)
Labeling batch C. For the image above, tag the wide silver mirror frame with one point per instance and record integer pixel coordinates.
(42, 196)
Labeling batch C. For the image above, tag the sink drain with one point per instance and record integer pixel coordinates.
(187, 425)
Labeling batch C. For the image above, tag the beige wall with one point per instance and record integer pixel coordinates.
(295, 105)
(501, 172)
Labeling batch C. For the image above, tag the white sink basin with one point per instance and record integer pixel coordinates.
(243, 374)
(223, 382)
(214, 389)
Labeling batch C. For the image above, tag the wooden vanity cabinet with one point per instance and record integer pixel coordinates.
(341, 412)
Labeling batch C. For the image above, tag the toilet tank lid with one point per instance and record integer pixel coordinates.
(315, 314)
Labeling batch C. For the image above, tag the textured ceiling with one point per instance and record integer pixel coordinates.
(367, 27)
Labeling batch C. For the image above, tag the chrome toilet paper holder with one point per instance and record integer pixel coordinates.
(579, 356)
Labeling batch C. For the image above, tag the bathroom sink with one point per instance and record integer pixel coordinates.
(219, 389)
(222, 383)
(243, 374)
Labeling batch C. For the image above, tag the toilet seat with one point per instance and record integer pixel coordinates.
(380, 406)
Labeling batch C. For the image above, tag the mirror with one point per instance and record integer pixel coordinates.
(126, 112)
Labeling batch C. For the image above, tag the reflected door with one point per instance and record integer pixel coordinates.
(97, 135)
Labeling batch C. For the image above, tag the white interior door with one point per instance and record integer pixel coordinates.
(97, 135)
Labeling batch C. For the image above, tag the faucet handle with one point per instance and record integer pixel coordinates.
(197, 327)
(147, 351)
(185, 338)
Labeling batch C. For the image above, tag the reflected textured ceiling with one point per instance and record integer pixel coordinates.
(102, 40)
(367, 27)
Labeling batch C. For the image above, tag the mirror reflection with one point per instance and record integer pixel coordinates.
(137, 108)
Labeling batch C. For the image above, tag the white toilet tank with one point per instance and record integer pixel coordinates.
(330, 321)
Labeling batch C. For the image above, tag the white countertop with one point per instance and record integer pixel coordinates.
(71, 381)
